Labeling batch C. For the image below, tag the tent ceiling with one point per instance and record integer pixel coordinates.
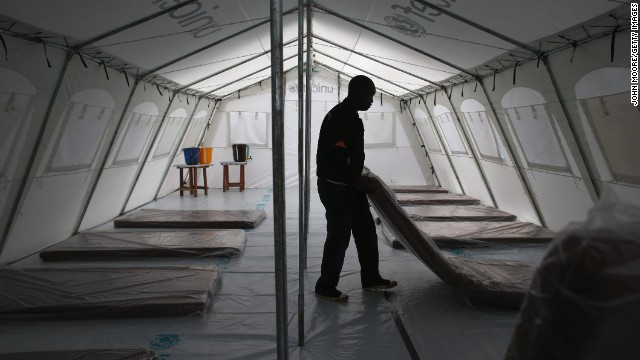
(359, 31)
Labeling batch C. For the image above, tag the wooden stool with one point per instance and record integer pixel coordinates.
(192, 173)
(225, 175)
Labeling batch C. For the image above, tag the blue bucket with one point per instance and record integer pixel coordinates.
(191, 155)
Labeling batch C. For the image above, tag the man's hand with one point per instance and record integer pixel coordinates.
(364, 184)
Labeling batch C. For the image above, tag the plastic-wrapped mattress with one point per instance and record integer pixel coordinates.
(584, 303)
(435, 199)
(479, 233)
(106, 292)
(92, 354)
(207, 219)
(417, 189)
(457, 213)
(186, 243)
(495, 281)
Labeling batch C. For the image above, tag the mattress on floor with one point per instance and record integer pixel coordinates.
(435, 199)
(92, 354)
(478, 233)
(417, 189)
(106, 292)
(501, 282)
(206, 219)
(457, 213)
(185, 243)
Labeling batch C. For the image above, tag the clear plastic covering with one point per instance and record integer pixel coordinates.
(210, 219)
(476, 233)
(193, 243)
(497, 281)
(584, 301)
(106, 292)
(457, 213)
(435, 199)
(417, 189)
(93, 354)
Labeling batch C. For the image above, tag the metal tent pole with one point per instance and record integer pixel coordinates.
(279, 211)
(132, 24)
(239, 32)
(301, 244)
(307, 143)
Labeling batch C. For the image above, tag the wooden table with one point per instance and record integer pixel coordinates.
(192, 173)
(225, 175)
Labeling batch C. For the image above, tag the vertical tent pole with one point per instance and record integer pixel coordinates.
(310, 65)
(279, 211)
(301, 187)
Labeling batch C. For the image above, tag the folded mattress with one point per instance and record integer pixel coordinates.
(207, 219)
(500, 282)
(457, 213)
(435, 199)
(106, 292)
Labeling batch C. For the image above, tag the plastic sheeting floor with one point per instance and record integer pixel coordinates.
(422, 318)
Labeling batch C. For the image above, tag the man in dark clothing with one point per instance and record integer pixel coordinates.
(342, 190)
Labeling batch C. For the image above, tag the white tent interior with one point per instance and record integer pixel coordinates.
(523, 105)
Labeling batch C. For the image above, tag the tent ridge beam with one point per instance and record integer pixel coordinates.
(366, 72)
(442, 61)
(378, 61)
(347, 75)
(480, 27)
(149, 72)
(246, 76)
(132, 24)
(231, 67)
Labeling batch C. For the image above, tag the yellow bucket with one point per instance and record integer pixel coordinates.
(204, 155)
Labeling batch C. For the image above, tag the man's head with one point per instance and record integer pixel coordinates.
(361, 91)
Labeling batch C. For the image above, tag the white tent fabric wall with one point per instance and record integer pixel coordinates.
(141, 122)
(559, 180)
(192, 136)
(26, 87)
(161, 154)
(554, 150)
(84, 115)
(397, 158)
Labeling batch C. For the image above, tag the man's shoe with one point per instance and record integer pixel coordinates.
(381, 284)
(332, 295)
